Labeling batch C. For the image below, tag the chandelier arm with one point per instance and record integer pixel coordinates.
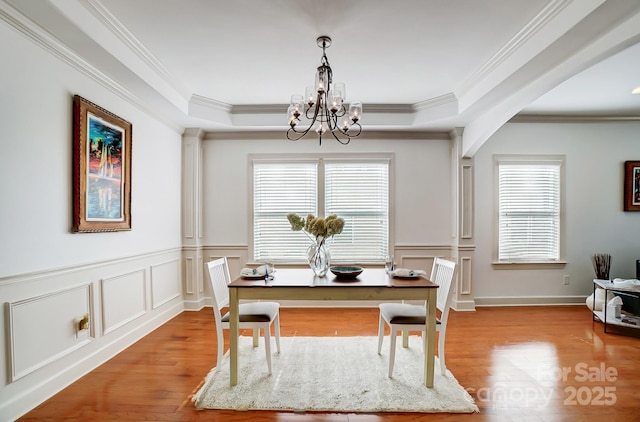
(357, 133)
(292, 130)
(316, 109)
(337, 138)
(314, 118)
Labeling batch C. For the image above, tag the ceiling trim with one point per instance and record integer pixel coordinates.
(281, 135)
(534, 26)
(572, 118)
(133, 44)
(55, 47)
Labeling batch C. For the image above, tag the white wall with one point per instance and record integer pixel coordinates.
(422, 179)
(595, 222)
(128, 282)
(35, 110)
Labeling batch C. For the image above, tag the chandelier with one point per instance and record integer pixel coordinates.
(324, 106)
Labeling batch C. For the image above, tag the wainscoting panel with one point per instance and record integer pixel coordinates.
(123, 299)
(34, 342)
(43, 350)
(190, 279)
(465, 276)
(420, 257)
(165, 282)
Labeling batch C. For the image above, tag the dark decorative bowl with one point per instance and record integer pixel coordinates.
(346, 272)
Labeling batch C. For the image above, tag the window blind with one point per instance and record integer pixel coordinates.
(529, 212)
(280, 189)
(359, 193)
(356, 190)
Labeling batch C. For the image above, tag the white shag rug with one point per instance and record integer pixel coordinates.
(333, 374)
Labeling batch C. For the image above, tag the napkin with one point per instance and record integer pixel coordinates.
(403, 272)
(626, 282)
(255, 272)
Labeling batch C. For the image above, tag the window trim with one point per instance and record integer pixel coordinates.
(528, 159)
(313, 157)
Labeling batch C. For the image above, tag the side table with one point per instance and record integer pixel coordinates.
(626, 320)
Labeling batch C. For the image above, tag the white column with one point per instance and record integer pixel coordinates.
(462, 183)
(193, 264)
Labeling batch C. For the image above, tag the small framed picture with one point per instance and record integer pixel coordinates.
(632, 186)
(101, 169)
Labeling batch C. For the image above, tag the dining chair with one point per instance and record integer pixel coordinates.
(254, 315)
(405, 317)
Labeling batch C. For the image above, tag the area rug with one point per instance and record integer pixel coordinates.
(336, 374)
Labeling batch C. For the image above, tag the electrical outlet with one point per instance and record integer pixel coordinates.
(566, 280)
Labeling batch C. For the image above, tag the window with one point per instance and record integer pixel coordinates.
(354, 189)
(529, 209)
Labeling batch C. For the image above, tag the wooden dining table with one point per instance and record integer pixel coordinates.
(373, 284)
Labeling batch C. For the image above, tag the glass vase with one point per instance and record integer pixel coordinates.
(319, 258)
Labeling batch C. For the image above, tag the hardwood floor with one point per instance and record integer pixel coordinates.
(519, 364)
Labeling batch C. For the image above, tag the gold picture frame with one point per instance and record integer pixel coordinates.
(101, 169)
(632, 185)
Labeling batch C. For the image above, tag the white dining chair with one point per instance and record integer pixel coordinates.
(404, 317)
(254, 315)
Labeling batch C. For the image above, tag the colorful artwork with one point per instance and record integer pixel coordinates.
(632, 186)
(636, 186)
(102, 169)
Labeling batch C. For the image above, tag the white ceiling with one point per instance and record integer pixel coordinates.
(429, 65)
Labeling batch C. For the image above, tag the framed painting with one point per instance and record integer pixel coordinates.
(632, 185)
(101, 169)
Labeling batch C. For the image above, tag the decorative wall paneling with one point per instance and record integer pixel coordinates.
(123, 299)
(44, 350)
(44, 328)
(165, 283)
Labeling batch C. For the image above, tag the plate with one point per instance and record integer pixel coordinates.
(407, 274)
(251, 276)
(346, 272)
(255, 273)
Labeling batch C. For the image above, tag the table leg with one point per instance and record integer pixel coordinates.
(234, 322)
(429, 351)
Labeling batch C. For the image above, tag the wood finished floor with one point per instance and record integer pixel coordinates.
(510, 359)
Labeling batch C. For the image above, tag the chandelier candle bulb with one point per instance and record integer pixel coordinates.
(310, 95)
(340, 90)
(324, 106)
(355, 110)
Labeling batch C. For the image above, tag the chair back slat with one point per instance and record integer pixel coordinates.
(219, 278)
(442, 274)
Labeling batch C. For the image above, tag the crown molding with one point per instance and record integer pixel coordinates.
(210, 103)
(573, 118)
(52, 45)
(279, 134)
(434, 102)
(552, 9)
(120, 31)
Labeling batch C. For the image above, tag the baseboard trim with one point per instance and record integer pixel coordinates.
(196, 305)
(530, 301)
(463, 305)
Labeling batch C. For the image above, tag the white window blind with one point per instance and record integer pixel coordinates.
(280, 189)
(359, 193)
(529, 211)
(356, 190)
